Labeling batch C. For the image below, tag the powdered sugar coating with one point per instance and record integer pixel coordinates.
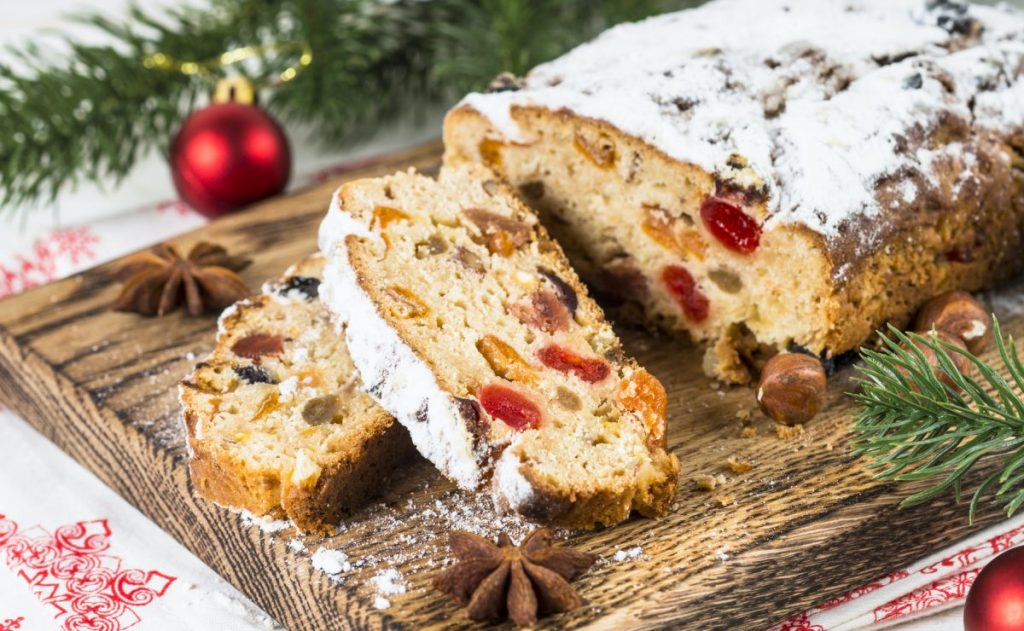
(815, 95)
(398, 380)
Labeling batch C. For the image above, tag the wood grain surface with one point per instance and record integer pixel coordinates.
(803, 525)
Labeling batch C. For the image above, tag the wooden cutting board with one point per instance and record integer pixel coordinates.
(803, 525)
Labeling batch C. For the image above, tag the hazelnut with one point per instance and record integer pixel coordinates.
(792, 388)
(959, 314)
(961, 362)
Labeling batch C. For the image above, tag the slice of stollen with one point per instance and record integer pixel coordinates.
(277, 421)
(466, 322)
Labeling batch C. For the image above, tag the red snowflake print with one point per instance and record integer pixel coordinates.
(799, 623)
(938, 593)
(967, 557)
(71, 245)
(10, 624)
(72, 572)
(175, 206)
(862, 590)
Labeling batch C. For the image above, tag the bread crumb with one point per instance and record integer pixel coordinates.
(725, 500)
(738, 466)
(705, 482)
(787, 432)
(743, 414)
(828, 446)
(749, 432)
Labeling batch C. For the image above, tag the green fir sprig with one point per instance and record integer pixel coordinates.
(913, 426)
(90, 113)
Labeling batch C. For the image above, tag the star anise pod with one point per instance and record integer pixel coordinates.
(158, 280)
(520, 582)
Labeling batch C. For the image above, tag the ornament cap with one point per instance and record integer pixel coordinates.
(234, 90)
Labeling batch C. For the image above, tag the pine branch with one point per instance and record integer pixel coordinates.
(92, 117)
(913, 426)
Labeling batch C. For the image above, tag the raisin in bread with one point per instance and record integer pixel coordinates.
(276, 417)
(467, 323)
(769, 175)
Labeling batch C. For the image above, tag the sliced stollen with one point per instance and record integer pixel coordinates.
(277, 421)
(467, 323)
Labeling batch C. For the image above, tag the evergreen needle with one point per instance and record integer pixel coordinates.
(913, 426)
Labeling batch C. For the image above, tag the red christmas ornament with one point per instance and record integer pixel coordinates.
(996, 599)
(230, 153)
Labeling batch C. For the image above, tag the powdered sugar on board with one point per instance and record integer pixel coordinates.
(815, 95)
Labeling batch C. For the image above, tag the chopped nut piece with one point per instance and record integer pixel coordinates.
(748, 432)
(469, 260)
(321, 409)
(568, 399)
(434, 245)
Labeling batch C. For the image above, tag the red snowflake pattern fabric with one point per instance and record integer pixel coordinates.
(862, 590)
(931, 585)
(73, 573)
(800, 623)
(70, 246)
(938, 593)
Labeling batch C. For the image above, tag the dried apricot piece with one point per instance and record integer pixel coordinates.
(384, 215)
(269, 403)
(510, 407)
(490, 152)
(499, 234)
(405, 304)
(505, 361)
(599, 150)
(663, 229)
(643, 393)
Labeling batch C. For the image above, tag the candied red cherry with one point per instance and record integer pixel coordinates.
(509, 406)
(733, 228)
(684, 289)
(562, 359)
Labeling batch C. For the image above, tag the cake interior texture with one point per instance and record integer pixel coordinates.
(475, 332)
(764, 188)
(278, 423)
